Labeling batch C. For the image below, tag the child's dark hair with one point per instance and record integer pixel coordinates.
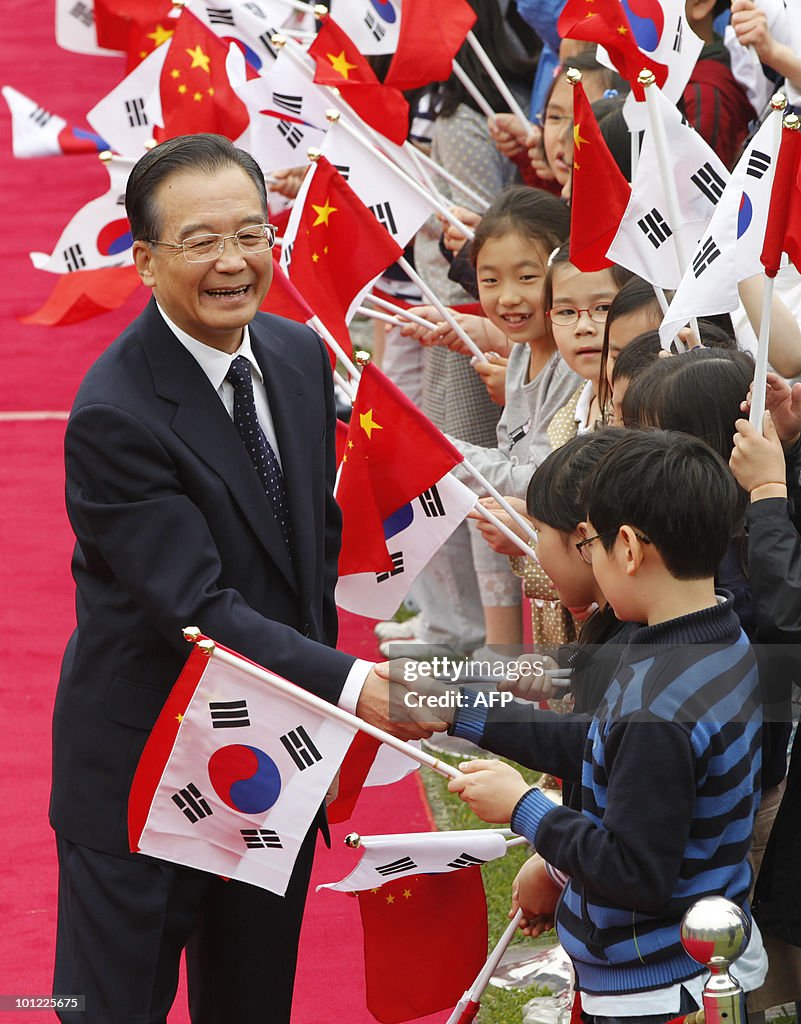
(635, 295)
(674, 489)
(697, 392)
(561, 256)
(530, 212)
(554, 492)
(637, 357)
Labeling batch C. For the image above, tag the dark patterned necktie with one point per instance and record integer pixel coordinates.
(258, 447)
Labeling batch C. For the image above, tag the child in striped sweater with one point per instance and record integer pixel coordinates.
(669, 763)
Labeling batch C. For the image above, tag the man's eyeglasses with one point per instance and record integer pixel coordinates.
(566, 316)
(584, 549)
(252, 239)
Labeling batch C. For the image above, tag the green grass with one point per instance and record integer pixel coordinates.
(498, 1006)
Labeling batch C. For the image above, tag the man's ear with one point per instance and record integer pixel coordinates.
(143, 259)
(632, 548)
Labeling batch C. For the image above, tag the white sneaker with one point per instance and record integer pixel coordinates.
(397, 630)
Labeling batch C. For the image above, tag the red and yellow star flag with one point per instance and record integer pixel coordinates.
(605, 22)
(334, 248)
(411, 965)
(115, 20)
(196, 95)
(431, 34)
(340, 63)
(600, 191)
(393, 454)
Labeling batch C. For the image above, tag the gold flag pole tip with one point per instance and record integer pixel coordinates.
(206, 647)
(313, 154)
(332, 116)
(353, 840)
(278, 40)
(191, 634)
(361, 357)
(320, 11)
(792, 122)
(778, 101)
(573, 75)
(646, 77)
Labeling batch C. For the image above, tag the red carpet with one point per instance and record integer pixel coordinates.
(41, 371)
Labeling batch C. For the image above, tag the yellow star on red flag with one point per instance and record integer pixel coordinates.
(577, 138)
(340, 63)
(368, 424)
(199, 58)
(323, 212)
(160, 35)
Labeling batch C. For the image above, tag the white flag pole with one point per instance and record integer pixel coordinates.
(469, 1005)
(334, 345)
(446, 314)
(334, 117)
(472, 89)
(761, 367)
(648, 79)
(499, 83)
(346, 385)
(322, 707)
(481, 202)
(399, 311)
(516, 517)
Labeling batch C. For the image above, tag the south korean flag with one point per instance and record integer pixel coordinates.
(234, 772)
(373, 25)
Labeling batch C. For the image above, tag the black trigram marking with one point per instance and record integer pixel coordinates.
(383, 214)
(374, 25)
(758, 163)
(291, 104)
(229, 714)
(120, 200)
(74, 257)
(707, 254)
(255, 9)
(192, 803)
(83, 13)
(432, 503)
(291, 133)
(288, 247)
(300, 748)
(261, 839)
(135, 111)
(266, 41)
(654, 226)
(40, 116)
(396, 866)
(708, 181)
(465, 860)
(344, 170)
(220, 15)
(397, 568)
(677, 39)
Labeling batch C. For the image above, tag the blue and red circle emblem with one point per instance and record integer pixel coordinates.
(647, 20)
(245, 778)
(385, 9)
(744, 215)
(114, 238)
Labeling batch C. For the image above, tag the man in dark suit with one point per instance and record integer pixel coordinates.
(200, 468)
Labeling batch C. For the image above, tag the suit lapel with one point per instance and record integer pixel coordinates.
(203, 423)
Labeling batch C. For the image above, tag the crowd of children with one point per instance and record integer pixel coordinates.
(667, 567)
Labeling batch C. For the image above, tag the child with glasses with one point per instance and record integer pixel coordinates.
(669, 762)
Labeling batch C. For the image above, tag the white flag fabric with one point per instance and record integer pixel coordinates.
(127, 115)
(233, 774)
(646, 239)
(75, 28)
(38, 132)
(373, 25)
(392, 201)
(665, 37)
(416, 853)
(250, 26)
(413, 534)
(99, 234)
(287, 114)
(729, 249)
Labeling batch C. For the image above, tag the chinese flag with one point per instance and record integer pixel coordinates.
(115, 19)
(359, 759)
(393, 454)
(338, 248)
(412, 965)
(600, 192)
(431, 34)
(783, 231)
(196, 95)
(339, 63)
(144, 38)
(284, 299)
(84, 294)
(605, 22)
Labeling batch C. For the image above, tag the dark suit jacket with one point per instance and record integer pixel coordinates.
(173, 529)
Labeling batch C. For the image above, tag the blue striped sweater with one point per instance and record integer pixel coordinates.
(669, 770)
